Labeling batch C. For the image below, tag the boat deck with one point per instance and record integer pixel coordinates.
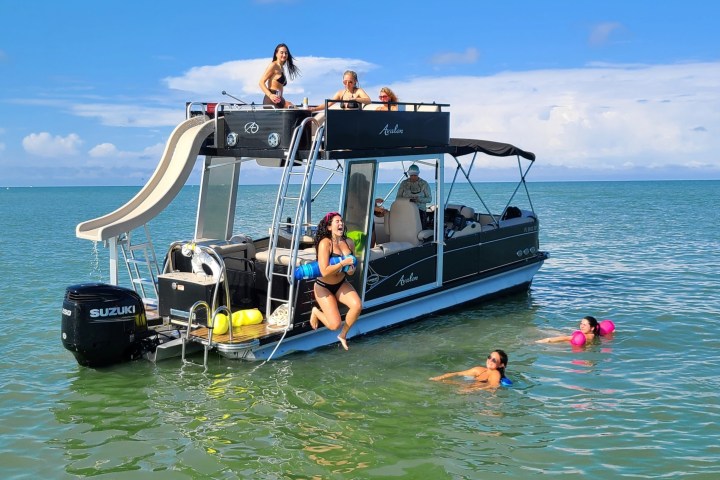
(244, 334)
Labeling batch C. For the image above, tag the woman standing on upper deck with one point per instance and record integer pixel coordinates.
(332, 286)
(349, 97)
(273, 81)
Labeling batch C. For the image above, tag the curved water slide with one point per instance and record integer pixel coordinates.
(170, 175)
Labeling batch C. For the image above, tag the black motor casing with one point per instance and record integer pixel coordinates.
(103, 324)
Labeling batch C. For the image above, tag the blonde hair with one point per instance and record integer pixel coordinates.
(391, 95)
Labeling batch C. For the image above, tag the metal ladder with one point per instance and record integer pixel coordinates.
(293, 168)
(142, 266)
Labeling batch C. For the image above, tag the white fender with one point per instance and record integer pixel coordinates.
(200, 258)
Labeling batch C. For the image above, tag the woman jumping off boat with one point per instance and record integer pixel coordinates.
(332, 286)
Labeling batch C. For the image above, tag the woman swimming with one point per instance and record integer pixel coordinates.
(490, 375)
(589, 326)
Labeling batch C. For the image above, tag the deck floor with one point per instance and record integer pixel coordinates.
(246, 333)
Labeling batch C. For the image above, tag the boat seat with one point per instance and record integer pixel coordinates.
(388, 248)
(288, 235)
(467, 212)
(282, 256)
(402, 223)
(227, 250)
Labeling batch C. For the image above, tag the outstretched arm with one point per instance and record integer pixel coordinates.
(564, 338)
(471, 372)
(362, 97)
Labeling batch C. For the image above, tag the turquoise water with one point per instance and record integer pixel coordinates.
(642, 404)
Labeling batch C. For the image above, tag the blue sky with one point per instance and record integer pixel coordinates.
(611, 90)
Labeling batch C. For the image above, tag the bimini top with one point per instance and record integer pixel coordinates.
(465, 146)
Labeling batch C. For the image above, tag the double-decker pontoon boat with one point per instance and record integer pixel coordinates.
(465, 253)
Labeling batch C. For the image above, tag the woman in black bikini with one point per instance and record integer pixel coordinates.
(351, 96)
(332, 287)
(273, 81)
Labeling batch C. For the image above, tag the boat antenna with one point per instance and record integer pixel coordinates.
(232, 96)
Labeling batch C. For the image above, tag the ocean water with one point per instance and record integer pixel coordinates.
(640, 404)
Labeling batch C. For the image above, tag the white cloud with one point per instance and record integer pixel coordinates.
(107, 155)
(601, 32)
(103, 150)
(320, 78)
(470, 55)
(44, 144)
(130, 115)
(589, 118)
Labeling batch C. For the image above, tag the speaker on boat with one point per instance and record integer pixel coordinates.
(103, 324)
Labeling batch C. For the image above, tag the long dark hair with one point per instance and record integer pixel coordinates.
(324, 230)
(593, 324)
(293, 71)
(503, 360)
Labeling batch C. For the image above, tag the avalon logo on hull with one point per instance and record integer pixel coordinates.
(251, 127)
(396, 130)
(403, 281)
(112, 311)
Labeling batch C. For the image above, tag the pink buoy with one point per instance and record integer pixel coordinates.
(606, 327)
(578, 338)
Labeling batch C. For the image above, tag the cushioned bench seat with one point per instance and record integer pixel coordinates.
(282, 256)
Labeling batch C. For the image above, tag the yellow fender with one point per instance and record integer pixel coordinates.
(251, 316)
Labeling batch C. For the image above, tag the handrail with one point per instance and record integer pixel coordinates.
(191, 317)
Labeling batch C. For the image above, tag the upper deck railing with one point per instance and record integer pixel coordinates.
(264, 131)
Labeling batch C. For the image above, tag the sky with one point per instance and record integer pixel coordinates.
(613, 90)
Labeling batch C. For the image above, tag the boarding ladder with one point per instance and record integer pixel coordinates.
(299, 200)
(142, 266)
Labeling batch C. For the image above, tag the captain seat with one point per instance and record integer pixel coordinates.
(402, 223)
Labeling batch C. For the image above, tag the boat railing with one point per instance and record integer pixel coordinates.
(190, 325)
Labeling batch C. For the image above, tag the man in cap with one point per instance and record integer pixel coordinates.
(417, 190)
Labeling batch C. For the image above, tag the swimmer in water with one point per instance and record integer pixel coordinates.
(589, 326)
(489, 376)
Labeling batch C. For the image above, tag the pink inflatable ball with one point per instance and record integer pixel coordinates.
(578, 338)
(607, 327)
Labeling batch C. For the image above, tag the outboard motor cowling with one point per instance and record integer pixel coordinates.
(103, 324)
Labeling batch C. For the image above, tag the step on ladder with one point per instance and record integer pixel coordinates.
(295, 169)
(142, 266)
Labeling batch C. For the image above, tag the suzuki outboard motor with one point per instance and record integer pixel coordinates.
(103, 324)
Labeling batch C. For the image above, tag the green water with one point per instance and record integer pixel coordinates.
(642, 404)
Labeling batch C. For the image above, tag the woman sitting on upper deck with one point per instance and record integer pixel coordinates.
(350, 97)
(332, 286)
(388, 96)
(273, 81)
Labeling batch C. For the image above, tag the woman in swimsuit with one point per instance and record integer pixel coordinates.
(488, 376)
(273, 81)
(388, 96)
(332, 287)
(589, 326)
(350, 96)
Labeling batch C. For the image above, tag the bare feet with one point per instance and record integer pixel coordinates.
(313, 319)
(343, 341)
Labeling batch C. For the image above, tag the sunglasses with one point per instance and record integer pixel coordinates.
(383, 97)
(495, 361)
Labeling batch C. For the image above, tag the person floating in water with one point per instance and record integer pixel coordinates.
(489, 376)
(332, 286)
(589, 326)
